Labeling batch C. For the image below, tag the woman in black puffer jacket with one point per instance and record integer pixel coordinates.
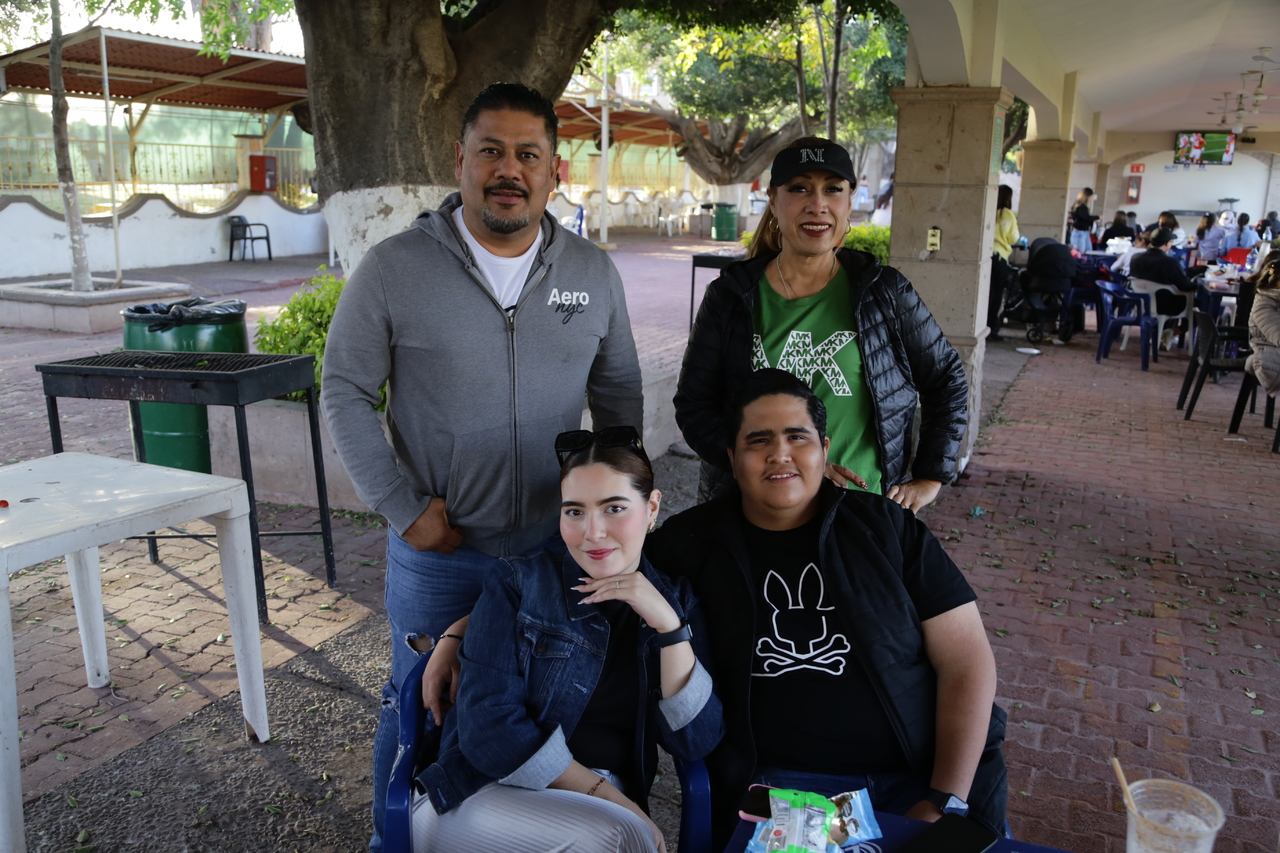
(902, 351)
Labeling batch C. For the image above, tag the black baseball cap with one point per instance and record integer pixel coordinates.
(824, 156)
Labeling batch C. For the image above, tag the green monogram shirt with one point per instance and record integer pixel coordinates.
(814, 338)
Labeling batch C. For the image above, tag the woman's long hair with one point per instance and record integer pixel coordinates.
(766, 240)
(1242, 222)
(1004, 199)
(1084, 196)
(1168, 220)
(1268, 278)
(1206, 222)
(1121, 221)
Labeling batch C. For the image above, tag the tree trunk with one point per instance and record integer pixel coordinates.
(259, 34)
(386, 115)
(716, 157)
(833, 79)
(80, 278)
(800, 98)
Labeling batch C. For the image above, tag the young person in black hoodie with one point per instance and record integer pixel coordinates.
(847, 648)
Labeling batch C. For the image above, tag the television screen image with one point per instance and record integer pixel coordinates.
(1204, 147)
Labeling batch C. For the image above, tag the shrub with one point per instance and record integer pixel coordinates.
(870, 238)
(303, 325)
(865, 238)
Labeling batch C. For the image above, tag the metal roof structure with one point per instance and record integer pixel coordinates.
(146, 69)
(581, 120)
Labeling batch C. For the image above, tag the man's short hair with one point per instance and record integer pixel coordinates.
(767, 383)
(513, 96)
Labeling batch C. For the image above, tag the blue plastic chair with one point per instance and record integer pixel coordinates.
(397, 835)
(415, 749)
(1119, 308)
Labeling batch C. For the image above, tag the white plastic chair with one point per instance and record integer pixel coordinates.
(1140, 285)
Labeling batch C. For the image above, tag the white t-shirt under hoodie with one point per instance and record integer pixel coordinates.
(505, 276)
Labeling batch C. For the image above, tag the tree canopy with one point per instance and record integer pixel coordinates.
(764, 85)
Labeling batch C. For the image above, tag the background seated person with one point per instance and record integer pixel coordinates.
(1119, 227)
(546, 750)
(848, 648)
(1156, 266)
(1141, 243)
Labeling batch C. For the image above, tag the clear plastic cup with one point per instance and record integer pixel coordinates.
(1171, 817)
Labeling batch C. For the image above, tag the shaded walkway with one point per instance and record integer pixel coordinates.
(1126, 562)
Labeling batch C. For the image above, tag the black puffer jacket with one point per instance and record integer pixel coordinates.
(904, 353)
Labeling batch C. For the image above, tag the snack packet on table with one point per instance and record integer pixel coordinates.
(804, 822)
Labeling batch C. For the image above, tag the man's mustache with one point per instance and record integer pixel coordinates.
(507, 186)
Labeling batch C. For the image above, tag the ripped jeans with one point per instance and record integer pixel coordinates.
(426, 592)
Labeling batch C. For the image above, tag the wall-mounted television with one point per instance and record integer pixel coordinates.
(1204, 147)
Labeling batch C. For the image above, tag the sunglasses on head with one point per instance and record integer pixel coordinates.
(569, 443)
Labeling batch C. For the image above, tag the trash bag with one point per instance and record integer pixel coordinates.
(162, 316)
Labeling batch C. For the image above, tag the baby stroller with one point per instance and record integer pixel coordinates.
(1037, 296)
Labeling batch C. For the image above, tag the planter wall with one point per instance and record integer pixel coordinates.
(280, 441)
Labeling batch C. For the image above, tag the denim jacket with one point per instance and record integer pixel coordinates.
(530, 662)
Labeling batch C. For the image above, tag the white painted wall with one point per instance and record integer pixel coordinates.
(1194, 188)
(154, 234)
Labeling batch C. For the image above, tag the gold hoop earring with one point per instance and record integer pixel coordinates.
(653, 524)
(774, 223)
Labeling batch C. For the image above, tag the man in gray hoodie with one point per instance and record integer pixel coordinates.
(487, 323)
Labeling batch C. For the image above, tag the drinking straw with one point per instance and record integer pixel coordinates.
(1124, 786)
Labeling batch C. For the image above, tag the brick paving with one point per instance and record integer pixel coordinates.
(1124, 558)
(1126, 562)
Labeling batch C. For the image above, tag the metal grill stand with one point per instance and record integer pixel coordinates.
(203, 379)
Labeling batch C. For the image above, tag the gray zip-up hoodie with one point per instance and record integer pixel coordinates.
(477, 395)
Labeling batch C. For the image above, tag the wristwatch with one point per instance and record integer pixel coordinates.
(948, 803)
(679, 635)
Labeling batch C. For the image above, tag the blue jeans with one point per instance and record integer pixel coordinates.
(426, 592)
(1081, 240)
(895, 793)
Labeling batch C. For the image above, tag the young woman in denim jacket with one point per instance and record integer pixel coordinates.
(574, 667)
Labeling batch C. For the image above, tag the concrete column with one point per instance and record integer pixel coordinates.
(1046, 174)
(1106, 203)
(947, 171)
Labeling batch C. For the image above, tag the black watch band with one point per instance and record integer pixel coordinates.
(679, 635)
(948, 803)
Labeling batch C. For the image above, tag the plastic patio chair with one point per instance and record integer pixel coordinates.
(1232, 338)
(420, 740)
(242, 232)
(1140, 285)
(1119, 309)
(1238, 257)
(417, 746)
(1249, 391)
(1209, 357)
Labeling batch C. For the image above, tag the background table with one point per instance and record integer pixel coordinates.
(69, 504)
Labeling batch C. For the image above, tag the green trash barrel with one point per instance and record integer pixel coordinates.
(724, 226)
(174, 435)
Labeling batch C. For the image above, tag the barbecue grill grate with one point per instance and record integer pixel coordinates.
(204, 362)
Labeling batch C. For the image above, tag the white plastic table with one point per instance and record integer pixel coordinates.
(69, 504)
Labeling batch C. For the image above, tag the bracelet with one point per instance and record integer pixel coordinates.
(451, 637)
(599, 782)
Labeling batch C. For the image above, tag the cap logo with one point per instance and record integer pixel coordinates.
(814, 154)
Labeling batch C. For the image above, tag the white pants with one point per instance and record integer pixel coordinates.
(518, 820)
